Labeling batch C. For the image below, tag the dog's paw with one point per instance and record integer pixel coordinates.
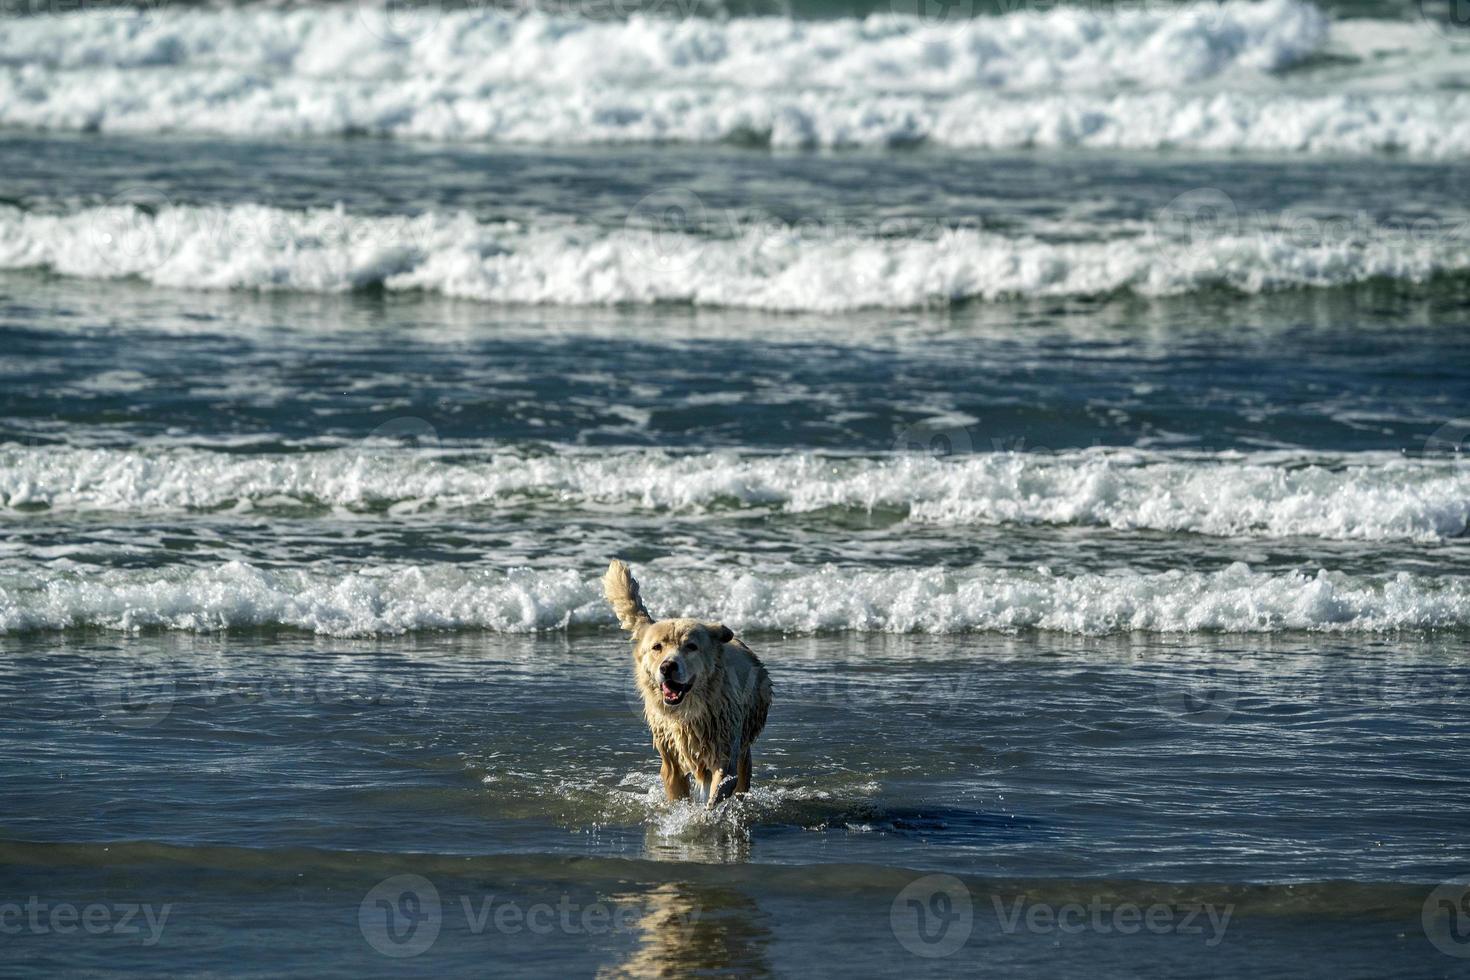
(722, 792)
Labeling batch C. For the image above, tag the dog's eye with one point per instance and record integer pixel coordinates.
(691, 646)
(656, 647)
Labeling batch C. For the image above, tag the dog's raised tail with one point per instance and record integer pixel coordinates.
(621, 589)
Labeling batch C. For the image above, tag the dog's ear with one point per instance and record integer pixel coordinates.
(719, 632)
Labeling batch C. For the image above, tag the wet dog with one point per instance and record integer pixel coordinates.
(705, 694)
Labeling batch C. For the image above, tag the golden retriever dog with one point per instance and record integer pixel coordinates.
(705, 694)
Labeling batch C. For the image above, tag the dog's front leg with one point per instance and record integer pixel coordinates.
(722, 781)
(676, 784)
(721, 785)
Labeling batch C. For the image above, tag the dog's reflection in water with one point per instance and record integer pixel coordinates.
(685, 930)
(717, 845)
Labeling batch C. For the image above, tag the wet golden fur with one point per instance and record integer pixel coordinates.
(708, 733)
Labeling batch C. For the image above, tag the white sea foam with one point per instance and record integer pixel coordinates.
(392, 599)
(1357, 497)
(1429, 125)
(757, 266)
(1202, 76)
(477, 50)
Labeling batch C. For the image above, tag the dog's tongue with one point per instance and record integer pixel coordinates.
(669, 692)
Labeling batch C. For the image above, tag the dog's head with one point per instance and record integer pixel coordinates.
(676, 658)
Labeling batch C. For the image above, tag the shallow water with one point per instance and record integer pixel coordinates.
(1082, 447)
(261, 785)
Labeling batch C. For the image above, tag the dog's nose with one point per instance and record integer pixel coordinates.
(668, 667)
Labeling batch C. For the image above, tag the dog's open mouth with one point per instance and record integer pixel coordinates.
(674, 691)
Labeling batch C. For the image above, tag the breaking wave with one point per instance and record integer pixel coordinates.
(763, 266)
(1234, 76)
(1371, 496)
(392, 599)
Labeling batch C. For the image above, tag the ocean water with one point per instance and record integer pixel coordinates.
(1068, 402)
